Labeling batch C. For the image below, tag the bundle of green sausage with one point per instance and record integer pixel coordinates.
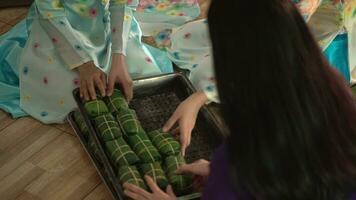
(116, 102)
(96, 108)
(165, 143)
(143, 148)
(121, 153)
(80, 123)
(129, 174)
(181, 184)
(155, 171)
(129, 122)
(107, 127)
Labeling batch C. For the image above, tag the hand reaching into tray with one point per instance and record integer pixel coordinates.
(200, 168)
(186, 115)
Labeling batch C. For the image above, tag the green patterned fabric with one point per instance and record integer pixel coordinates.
(143, 148)
(165, 143)
(80, 123)
(128, 122)
(130, 174)
(116, 102)
(95, 108)
(121, 153)
(107, 127)
(155, 171)
(181, 184)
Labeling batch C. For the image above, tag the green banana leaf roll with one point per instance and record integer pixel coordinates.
(128, 122)
(182, 184)
(144, 148)
(107, 127)
(95, 108)
(130, 174)
(155, 171)
(165, 143)
(120, 153)
(116, 102)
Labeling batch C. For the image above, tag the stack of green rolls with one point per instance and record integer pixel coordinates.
(116, 102)
(121, 153)
(95, 108)
(155, 171)
(165, 143)
(181, 184)
(108, 129)
(80, 123)
(130, 174)
(132, 151)
(143, 147)
(129, 122)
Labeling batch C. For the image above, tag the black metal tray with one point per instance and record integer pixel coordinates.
(155, 99)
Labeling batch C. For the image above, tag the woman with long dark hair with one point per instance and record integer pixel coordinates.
(292, 118)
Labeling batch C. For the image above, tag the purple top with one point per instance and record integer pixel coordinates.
(219, 185)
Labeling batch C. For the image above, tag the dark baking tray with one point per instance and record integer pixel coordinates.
(155, 99)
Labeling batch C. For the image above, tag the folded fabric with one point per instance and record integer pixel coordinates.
(143, 148)
(165, 143)
(121, 153)
(182, 184)
(129, 174)
(80, 123)
(107, 127)
(116, 102)
(155, 171)
(95, 108)
(128, 121)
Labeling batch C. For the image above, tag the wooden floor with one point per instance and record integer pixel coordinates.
(45, 162)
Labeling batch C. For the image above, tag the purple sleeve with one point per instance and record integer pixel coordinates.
(219, 185)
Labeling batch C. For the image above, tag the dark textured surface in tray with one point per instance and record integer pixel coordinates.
(153, 111)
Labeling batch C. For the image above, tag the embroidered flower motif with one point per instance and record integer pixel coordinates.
(25, 70)
(45, 80)
(56, 4)
(78, 47)
(187, 36)
(127, 17)
(48, 14)
(76, 82)
(61, 102)
(93, 12)
(147, 59)
(26, 97)
(54, 40)
(195, 66)
(161, 6)
(62, 22)
(210, 88)
(36, 45)
(50, 60)
(114, 30)
(44, 114)
(172, 13)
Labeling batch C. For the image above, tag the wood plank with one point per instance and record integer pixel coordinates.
(66, 128)
(100, 193)
(27, 196)
(23, 148)
(5, 119)
(4, 27)
(12, 16)
(69, 173)
(14, 183)
(17, 131)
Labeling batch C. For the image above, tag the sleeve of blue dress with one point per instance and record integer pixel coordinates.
(120, 19)
(53, 20)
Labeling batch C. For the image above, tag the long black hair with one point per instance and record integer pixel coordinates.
(292, 118)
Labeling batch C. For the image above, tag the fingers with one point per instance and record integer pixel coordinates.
(170, 123)
(169, 191)
(100, 85)
(84, 90)
(153, 186)
(128, 90)
(185, 168)
(185, 136)
(133, 195)
(111, 84)
(91, 89)
(135, 192)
